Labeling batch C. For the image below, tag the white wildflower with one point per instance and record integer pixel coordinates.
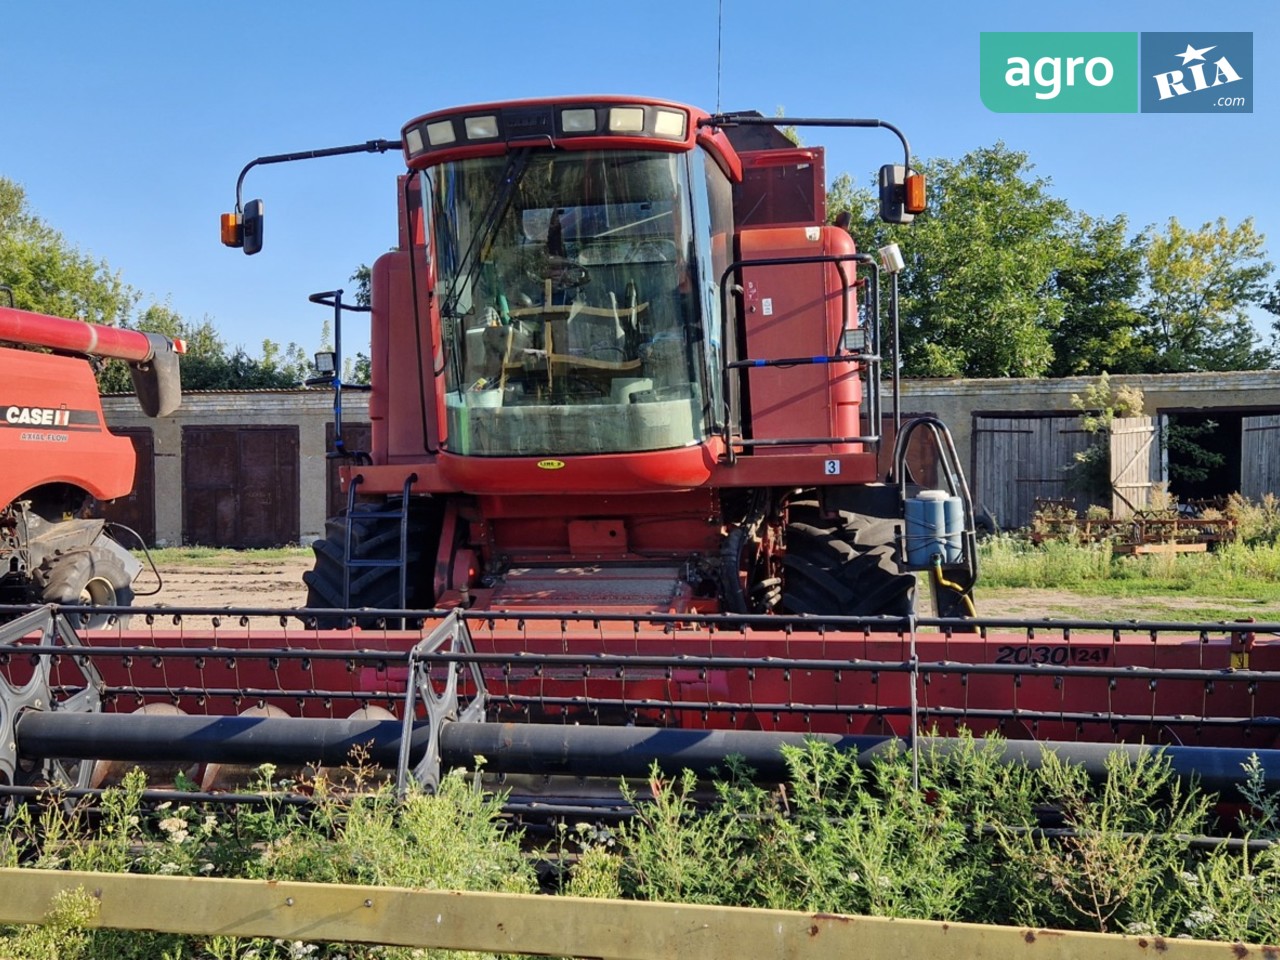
(1199, 918)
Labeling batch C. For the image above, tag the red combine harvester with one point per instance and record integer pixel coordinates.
(629, 497)
(59, 456)
(620, 364)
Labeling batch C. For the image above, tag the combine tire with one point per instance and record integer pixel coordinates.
(374, 587)
(93, 576)
(844, 566)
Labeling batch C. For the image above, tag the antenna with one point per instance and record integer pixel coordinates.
(719, 49)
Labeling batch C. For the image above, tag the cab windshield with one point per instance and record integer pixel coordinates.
(569, 320)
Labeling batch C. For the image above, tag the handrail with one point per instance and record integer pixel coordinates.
(870, 359)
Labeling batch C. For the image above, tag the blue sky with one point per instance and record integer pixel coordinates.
(127, 122)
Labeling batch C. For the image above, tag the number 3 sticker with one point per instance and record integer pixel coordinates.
(832, 468)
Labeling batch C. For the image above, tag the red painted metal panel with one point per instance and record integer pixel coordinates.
(797, 310)
(52, 429)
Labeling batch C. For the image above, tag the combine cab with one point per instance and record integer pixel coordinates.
(629, 474)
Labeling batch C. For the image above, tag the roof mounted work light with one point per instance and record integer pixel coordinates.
(544, 121)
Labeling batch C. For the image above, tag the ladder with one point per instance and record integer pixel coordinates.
(401, 515)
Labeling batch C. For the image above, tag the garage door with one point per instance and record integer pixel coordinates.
(1017, 459)
(1260, 456)
(137, 510)
(240, 486)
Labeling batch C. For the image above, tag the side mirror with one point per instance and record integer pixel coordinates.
(901, 196)
(252, 227)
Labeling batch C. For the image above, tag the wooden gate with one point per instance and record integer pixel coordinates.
(1017, 459)
(1135, 464)
(1260, 456)
(240, 485)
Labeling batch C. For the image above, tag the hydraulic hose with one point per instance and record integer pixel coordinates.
(951, 585)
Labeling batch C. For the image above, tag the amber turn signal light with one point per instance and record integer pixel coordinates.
(915, 193)
(232, 230)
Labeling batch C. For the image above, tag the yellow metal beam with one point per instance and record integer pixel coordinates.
(558, 926)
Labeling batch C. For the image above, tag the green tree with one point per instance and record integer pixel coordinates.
(360, 368)
(1201, 285)
(842, 197)
(363, 279)
(1100, 406)
(1271, 304)
(978, 294)
(48, 274)
(1098, 284)
(208, 363)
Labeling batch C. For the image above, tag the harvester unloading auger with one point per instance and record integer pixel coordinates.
(628, 498)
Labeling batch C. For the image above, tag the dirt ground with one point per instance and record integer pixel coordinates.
(1061, 604)
(250, 581)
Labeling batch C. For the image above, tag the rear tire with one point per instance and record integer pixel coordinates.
(92, 576)
(372, 538)
(843, 566)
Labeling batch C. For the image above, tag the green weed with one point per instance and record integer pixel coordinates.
(1234, 570)
(954, 833)
(455, 839)
(219, 556)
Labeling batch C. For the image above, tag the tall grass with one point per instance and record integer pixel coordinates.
(839, 836)
(1233, 570)
(455, 839)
